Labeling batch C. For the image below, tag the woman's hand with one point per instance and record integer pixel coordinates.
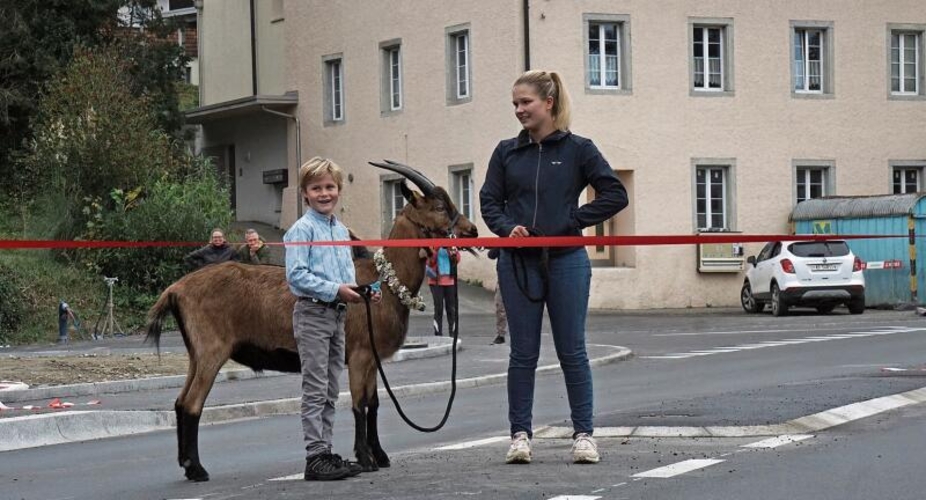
(519, 232)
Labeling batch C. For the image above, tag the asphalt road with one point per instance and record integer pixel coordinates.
(694, 368)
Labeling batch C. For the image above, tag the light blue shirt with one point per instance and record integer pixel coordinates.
(317, 271)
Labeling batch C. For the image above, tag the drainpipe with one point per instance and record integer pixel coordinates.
(298, 153)
(253, 51)
(526, 7)
(199, 51)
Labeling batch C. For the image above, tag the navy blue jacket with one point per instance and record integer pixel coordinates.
(538, 186)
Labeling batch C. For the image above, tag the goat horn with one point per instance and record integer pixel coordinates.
(424, 184)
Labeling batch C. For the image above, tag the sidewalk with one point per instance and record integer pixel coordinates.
(135, 406)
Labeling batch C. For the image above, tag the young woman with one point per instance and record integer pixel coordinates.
(532, 188)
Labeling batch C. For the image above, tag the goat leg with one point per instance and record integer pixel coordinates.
(189, 454)
(361, 448)
(379, 456)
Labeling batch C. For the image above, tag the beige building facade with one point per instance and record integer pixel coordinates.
(717, 115)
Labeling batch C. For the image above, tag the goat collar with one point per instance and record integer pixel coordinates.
(388, 276)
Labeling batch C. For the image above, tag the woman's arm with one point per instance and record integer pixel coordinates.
(611, 195)
(492, 197)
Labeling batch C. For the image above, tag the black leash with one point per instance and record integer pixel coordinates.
(518, 258)
(366, 292)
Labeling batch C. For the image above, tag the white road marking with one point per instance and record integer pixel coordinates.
(289, 478)
(575, 497)
(691, 334)
(473, 444)
(679, 468)
(777, 441)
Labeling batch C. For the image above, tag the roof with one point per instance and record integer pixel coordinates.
(842, 207)
(242, 106)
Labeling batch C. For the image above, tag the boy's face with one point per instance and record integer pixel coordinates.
(322, 194)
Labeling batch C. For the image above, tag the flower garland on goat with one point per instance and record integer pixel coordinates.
(387, 275)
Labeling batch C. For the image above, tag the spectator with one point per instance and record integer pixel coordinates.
(64, 314)
(218, 250)
(501, 317)
(441, 278)
(254, 251)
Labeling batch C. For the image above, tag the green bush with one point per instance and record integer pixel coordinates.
(11, 305)
(172, 211)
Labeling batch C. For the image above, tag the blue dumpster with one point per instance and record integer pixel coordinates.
(893, 275)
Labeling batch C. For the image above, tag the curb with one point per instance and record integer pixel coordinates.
(811, 423)
(175, 381)
(56, 428)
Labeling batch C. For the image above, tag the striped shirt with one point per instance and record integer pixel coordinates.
(317, 271)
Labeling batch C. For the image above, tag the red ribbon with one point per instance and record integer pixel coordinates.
(493, 242)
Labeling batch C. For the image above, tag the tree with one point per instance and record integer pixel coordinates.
(38, 39)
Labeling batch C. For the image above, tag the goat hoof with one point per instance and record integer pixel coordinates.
(197, 473)
(382, 460)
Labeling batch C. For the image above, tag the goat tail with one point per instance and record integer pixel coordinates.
(167, 303)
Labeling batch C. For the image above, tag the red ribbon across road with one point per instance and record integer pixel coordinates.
(493, 242)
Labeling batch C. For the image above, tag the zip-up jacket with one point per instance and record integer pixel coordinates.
(537, 185)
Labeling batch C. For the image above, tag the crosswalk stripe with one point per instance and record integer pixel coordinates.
(473, 444)
(679, 468)
(778, 441)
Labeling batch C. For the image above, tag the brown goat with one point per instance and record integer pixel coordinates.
(245, 313)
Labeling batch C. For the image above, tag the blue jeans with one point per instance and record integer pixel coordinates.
(567, 304)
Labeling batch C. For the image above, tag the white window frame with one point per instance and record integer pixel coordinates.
(918, 31)
(902, 167)
(392, 75)
(727, 169)
(800, 34)
(725, 28)
(391, 195)
(459, 56)
(334, 101)
(621, 23)
(461, 182)
(802, 171)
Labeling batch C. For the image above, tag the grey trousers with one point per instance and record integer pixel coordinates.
(319, 332)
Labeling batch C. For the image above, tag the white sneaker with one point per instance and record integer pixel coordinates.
(520, 450)
(585, 450)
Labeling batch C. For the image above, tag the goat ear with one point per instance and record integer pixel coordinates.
(409, 195)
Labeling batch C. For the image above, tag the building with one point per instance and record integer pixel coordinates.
(717, 115)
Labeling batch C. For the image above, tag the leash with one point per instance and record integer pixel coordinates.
(366, 291)
(517, 257)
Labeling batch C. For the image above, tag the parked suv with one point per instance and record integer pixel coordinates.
(820, 274)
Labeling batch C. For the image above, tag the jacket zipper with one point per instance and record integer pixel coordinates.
(537, 183)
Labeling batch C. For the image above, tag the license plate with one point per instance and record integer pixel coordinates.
(824, 267)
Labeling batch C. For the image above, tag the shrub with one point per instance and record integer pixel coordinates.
(11, 305)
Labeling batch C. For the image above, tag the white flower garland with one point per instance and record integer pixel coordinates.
(387, 275)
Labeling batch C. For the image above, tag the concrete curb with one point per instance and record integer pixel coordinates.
(811, 423)
(56, 428)
(437, 346)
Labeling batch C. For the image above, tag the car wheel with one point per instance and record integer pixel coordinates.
(779, 308)
(826, 309)
(857, 305)
(748, 300)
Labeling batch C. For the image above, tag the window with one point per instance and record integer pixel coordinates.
(179, 4)
(334, 90)
(711, 55)
(811, 183)
(459, 65)
(461, 182)
(906, 62)
(811, 58)
(813, 179)
(392, 76)
(711, 197)
(906, 177)
(393, 201)
(607, 53)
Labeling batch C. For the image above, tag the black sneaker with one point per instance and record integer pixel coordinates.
(323, 467)
(499, 339)
(354, 468)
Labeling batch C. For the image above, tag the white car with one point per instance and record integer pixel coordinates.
(820, 274)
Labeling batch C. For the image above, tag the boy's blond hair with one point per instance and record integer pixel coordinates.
(318, 167)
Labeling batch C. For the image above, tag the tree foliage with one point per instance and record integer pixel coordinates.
(38, 39)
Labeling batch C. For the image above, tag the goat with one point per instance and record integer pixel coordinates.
(244, 313)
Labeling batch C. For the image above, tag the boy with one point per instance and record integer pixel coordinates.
(321, 277)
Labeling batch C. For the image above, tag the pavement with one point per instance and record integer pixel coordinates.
(79, 412)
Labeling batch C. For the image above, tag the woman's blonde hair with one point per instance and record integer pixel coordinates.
(550, 84)
(318, 167)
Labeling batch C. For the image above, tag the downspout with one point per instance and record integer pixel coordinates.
(914, 281)
(200, 60)
(298, 153)
(527, 34)
(253, 51)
